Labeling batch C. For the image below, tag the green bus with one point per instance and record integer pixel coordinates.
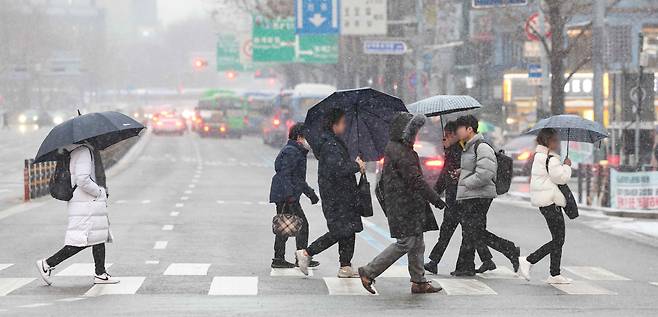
(220, 113)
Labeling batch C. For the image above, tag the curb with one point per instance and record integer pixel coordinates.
(641, 214)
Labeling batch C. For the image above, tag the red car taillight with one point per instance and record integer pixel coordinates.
(435, 163)
(276, 122)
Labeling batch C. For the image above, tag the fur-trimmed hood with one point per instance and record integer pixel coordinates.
(405, 127)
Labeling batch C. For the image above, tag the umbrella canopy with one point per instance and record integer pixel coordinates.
(368, 114)
(101, 129)
(444, 104)
(572, 128)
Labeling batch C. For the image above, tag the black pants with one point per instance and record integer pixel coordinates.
(301, 239)
(475, 234)
(345, 247)
(555, 221)
(98, 251)
(451, 219)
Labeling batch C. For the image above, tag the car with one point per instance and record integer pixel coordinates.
(522, 150)
(168, 123)
(275, 128)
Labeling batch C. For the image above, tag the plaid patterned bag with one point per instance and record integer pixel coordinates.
(285, 224)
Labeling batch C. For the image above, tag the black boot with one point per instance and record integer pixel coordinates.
(487, 265)
(515, 259)
(281, 264)
(432, 267)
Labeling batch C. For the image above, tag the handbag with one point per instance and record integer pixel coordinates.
(571, 209)
(364, 198)
(286, 224)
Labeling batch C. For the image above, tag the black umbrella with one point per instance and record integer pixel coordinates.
(572, 128)
(368, 114)
(443, 104)
(101, 129)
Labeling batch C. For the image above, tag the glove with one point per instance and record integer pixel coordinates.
(314, 198)
(439, 204)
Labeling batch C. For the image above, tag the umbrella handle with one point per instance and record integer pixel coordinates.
(568, 137)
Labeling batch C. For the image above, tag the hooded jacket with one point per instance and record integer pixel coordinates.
(476, 179)
(290, 178)
(338, 187)
(543, 184)
(407, 195)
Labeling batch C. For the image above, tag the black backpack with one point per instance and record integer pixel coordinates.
(504, 171)
(60, 183)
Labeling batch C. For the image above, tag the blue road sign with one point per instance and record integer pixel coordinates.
(534, 71)
(317, 16)
(498, 3)
(384, 47)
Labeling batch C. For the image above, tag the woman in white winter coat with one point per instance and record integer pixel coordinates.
(88, 223)
(548, 172)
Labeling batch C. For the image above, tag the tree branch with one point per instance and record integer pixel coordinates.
(580, 64)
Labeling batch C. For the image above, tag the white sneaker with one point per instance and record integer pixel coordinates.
(105, 279)
(303, 260)
(524, 268)
(347, 272)
(44, 271)
(558, 279)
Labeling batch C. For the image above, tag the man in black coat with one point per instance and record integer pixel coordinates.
(288, 184)
(407, 199)
(338, 189)
(448, 182)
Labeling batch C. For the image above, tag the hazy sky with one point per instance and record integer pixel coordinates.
(175, 10)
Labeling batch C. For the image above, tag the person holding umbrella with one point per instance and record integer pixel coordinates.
(80, 176)
(338, 190)
(547, 173)
(407, 199)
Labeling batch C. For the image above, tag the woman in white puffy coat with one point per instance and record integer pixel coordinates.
(88, 223)
(547, 173)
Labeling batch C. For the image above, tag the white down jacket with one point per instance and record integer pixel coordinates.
(88, 222)
(543, 184)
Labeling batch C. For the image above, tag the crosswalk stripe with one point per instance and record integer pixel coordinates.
(500, 273)
(80, 269)
(121, 201)
(654, 283)
(396, 271)
(187, 192)
(179, 205)
(345, 286)
(465, 287)
(168, 227)
(160, 245)
(174, 213)
(184, 198)
(594, 273)
(5, 265)
(583, 288)
(146, 201)
(289, 272)
(35, 305)
(187, 269)
(127, 286)
(151, 262)
(8, 285)
(234, 285)
(70, 299)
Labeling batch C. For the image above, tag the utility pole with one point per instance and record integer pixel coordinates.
(420, 19)
(598, 38)
(638, 102)
(543, 108)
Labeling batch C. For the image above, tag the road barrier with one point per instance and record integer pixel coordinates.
(36, 176)
(594, 185)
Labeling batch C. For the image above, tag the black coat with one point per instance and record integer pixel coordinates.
(289, 182)
(407, 194)
(445, 182)
(338, 187)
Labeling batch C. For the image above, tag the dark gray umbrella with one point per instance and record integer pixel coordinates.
(572, 128)
(101, 129)
(443, 104)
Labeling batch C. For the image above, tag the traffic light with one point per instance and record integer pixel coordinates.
(200, 63)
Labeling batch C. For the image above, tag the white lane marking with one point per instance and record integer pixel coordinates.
(8, 285)
(179, 205)
(464, 287)
(185, 198)
(234, 285)
(197, 175)
(121, 201)
(4, 190)
(594, 273)
(80, 269)
(70, 299)
(654, 283)
(188, 192)
(243, 164)
(5, 265)
(582, 288)
(187, 269)
(345, 286)
(127, 286)
(221, 202)
(167, 227)
(195, 180)
(247, 203)
(35, 305)
(146, 201)
(263, 203)
(500, 273)
(289, 272)
(191, 186)
(160, 245)
(174, 213)
(151, 262)
(396, 271)
(18, 209)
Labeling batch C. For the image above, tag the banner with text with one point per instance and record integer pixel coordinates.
(636, 190)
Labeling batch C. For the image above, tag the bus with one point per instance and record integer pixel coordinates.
(220, 113)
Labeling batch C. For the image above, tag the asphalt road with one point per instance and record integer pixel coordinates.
(193, 238)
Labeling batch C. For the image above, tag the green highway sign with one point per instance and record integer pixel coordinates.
(228, 53)
(273, 40)
(318, 49)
